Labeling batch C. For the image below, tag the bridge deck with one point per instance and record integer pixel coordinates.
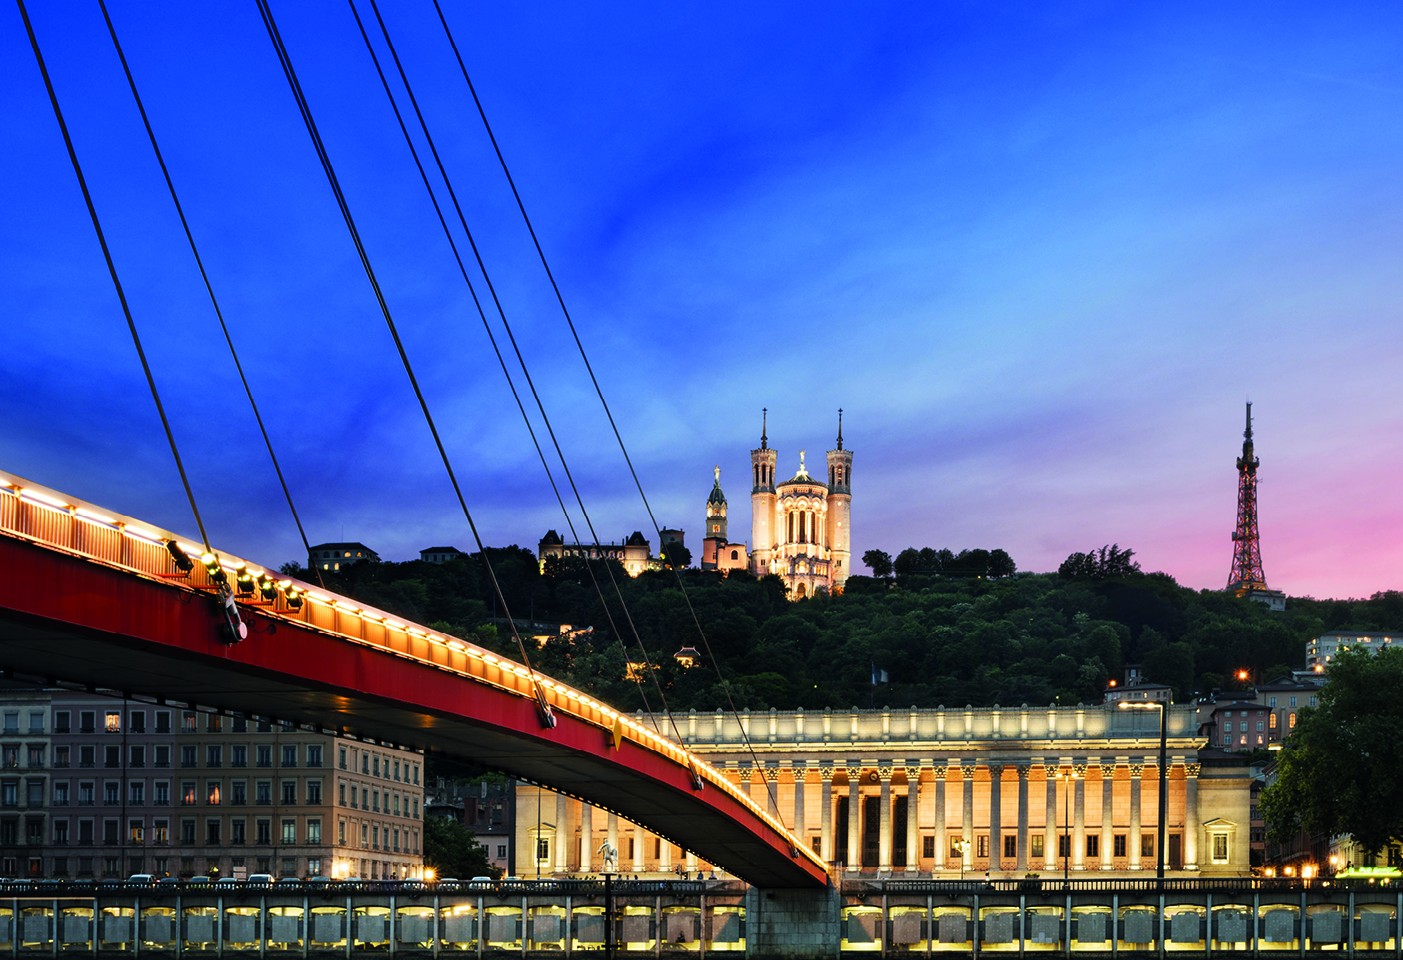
(93, 599)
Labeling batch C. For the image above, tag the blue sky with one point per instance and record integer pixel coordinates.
(1039, 254)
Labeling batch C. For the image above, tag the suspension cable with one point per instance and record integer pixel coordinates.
(112, 271)
(599, 392)
(467, 280)
(209, 286)
(294, 85)
(526, 372)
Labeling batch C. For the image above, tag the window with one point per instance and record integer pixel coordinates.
(61, 832)
(87, 721)
(162, 791)
(1064, 845)
(289, 791)
(314, 791)
(163, 721)
(9, 793)
(214, 723)
(238, 792)
(263, 755)
(396, 769)
(87, 756)
(110, 795)
(927, 847)
(136, 792)
(61, 756)
(238, 755)
(289, 831)
(62, 719)
(1293, 703)
(85, 793)
(112, 756)
(109, 832)
(341, 832)
(239, 725)
(1271, 721)
(981, 845)
(263, 832)
(1147, 845)
(160, 832)
(314, 830)
(188, 721)
(289, 754)
(1259, 726)
(61, 793)
(112, 721)
(263, 792)
(1220, 848)
(1010, 846)
(1118, 845)
(138, 756)
(137, 719)
(135, 831)
(1035, 845)
(163, 756)
(187, 755)
(1093, 846)
(1291, 720)
(543, 847)
(238, 831)
(341, 757)
(341, 793)
(187, 792)
(314, 755)
(213, 792)
(212, 831)
(214, 755)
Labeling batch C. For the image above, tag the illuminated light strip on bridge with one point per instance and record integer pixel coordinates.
(152, 561)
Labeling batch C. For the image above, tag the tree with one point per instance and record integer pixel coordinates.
(1103, 564)
(1341, 769)
(452, 849)
(879, 562)
(677, 555)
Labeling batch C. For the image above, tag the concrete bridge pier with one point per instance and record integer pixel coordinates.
(789, 924)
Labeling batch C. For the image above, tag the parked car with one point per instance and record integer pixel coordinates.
(259, 880)
(141, 880)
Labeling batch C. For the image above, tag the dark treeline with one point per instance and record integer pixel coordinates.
(967, 632)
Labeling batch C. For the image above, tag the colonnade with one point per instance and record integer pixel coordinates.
(1081, 814)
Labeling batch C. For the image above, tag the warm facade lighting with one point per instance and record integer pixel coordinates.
(179, 557)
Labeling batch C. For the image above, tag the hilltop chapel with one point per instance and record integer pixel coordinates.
(799, 528)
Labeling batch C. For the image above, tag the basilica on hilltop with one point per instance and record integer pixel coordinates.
(799, 528)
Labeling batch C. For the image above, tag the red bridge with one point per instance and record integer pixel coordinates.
(93, 598)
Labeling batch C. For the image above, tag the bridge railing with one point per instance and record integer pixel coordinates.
(38, 514)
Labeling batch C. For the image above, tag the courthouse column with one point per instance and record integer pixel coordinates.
(942, 845)
(639, 839)
(1137, 770)
(913, 815)
(1050, 834)
(884, 821)
(854, 860)
(586, 838)
(825, 814)
(1079, 817)
(561, 852)
(1022, 865)
(967, 812)
(996, 792)
(800, 772)
(1108, 790)
(1191, 816)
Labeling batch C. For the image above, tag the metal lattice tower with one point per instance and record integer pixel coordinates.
(1246, 574)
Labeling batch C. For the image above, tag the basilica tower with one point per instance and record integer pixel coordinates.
(840, 468)
(762, 500)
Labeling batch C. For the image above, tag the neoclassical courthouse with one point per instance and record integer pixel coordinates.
(944, 793)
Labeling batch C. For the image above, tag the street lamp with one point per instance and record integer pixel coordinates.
(961, 844)
(1066, 843)
(1163, 707)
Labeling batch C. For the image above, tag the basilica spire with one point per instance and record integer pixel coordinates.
(840, 428)
(764, 425)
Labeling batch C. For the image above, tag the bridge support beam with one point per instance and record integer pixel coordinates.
(797, 924)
